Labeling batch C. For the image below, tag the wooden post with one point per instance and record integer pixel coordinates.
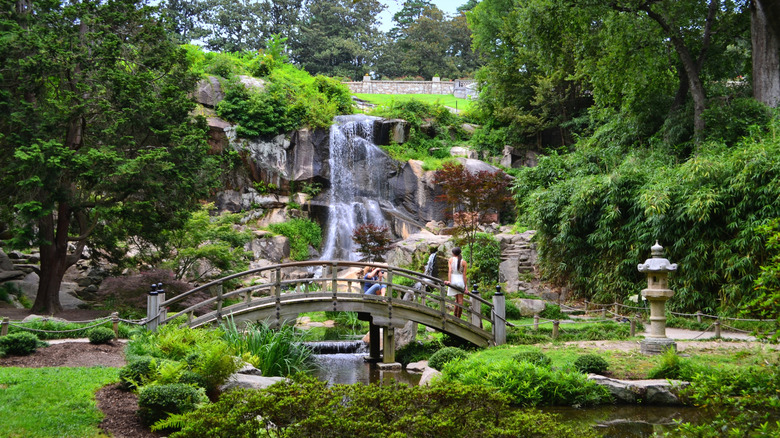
(499, 315)
(717, 328)
(556, 323)
(389, 281)
(388, 344)
(443, 304)
(633, 327)
(586, 307)
(278, 295)
(698, 316)
(373, 341)
(603, 312)
(4, 329)
(152, 309)
(115, 324)
(617, 309)
(476, 307)
(219, 302)
(536, 321)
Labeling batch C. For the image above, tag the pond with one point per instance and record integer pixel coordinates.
(609, 421)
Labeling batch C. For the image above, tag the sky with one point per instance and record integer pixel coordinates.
(449, 7)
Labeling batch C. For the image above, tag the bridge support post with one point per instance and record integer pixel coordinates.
(476, 308)
(388, 343)
(499, 316)
(373, 341)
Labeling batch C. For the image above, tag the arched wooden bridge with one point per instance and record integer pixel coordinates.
(269, 294)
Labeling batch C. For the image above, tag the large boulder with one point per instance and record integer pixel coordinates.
(5, 262)
(414, 191)
(208, 92)
(658, 392)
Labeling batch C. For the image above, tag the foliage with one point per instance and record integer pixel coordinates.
(275, 352)
(52, 402)
(306, 407)
(471, 196)
(512, 311)
(302, 233)
(767, 283)
(534, 357)
(291, 99)
(338, 37)
(97, 139)
(672, 366)
(101, 335)
(525, 383)
(215, 240)
(484, 256)
(609, 204)
(372, 240)
(444, 356)
(416, 351)
(63, 329)
(176, 352)
(20, 344)
(156, 402)
(127, 294)
(730, 120)
(138, 370)
(431, 99)
(576, 332)
(591, 363)
(551, 311)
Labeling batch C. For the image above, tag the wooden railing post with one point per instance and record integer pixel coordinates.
(278, 295)
(556, 324)
(151, 309)
(476, 307)
(115, 324)
(499, 316)
(443, 304)
(717, 328)
(219, 302)
(389, 280)
(633, 327)
(4, 328)
(536, 321)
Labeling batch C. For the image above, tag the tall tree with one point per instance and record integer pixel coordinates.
(96, 129)
(337, 37)
(765, 38)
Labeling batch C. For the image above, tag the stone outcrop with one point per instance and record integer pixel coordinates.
(659, 392)
(518, 256)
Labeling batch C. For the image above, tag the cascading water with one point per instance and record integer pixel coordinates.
(357, 183)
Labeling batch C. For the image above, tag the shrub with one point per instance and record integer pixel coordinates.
(525, 383)
(156, 402)
(20, 344)
(590, 363)
(512, 311)
(534, 357)
(306, 407)
(553, 312)
(138, 370)
(100, 335)
(444, 356)
(484, 256)
(302, 233)
(416, 351)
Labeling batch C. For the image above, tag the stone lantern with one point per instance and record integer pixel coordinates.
(657, 269)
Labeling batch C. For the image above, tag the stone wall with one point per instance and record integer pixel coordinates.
(435, 86)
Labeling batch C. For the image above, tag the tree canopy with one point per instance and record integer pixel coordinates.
(96, 136)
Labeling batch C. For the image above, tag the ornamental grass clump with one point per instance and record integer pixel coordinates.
(527, 384)
(275, 352)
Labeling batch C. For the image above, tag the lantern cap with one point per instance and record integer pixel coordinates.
(657, 263)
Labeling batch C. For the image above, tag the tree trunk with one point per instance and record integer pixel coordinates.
(766, 56)
(54, 259)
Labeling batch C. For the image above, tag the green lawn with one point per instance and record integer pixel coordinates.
(52, 402)
(444, 99)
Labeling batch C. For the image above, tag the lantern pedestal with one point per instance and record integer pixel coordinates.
(657, 293)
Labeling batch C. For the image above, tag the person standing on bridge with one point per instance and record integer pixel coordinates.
(370, 279)
(456, 276)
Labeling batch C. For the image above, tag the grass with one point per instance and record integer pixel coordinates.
(52, 402)
(632, 364)
(443, 99)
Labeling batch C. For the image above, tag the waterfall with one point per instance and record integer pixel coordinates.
(431, 265)
(357, 183)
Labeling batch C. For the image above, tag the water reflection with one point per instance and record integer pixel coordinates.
(352, 368)
(631, 421)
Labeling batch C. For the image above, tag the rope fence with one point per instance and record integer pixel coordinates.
(113, 318)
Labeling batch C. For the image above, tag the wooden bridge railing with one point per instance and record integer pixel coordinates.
(265, 292)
